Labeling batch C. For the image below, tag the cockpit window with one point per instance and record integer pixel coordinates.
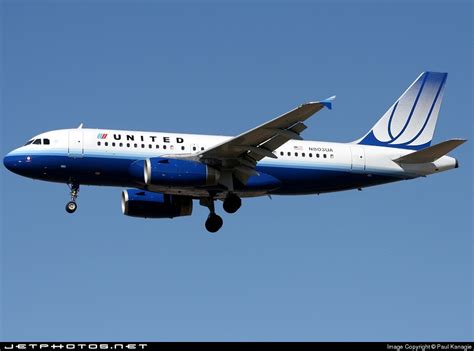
(29, 142)
(45, 141)
(37, 142)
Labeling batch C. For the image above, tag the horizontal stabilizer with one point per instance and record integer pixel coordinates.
(431, 153)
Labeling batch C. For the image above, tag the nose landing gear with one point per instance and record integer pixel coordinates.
(71, 206)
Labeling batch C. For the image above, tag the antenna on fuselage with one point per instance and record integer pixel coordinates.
(80, 126)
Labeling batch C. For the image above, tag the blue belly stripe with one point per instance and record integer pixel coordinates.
(296, 178)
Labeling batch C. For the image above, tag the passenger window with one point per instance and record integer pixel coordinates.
(164, 147)
(324, 155)
(45, 141)
(310, 154)
(150, 146)
(202, 149)
(121, 144)
(135, 145)
(303, 154)
(289, 153)
(128, 144)
(143, 146)
(296, 154)
(157, 146)
(317, 155)
(37, 142)
(332, 156)
(182, 148)
(106, 144)
(194, 148)
(98, 143)
(113, 144)
(281, 153)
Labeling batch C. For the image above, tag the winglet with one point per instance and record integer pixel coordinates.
(328, 102)
(80, 126)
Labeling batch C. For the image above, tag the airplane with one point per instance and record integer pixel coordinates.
(165, 172)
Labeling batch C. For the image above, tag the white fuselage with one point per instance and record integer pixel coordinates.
(293, 156)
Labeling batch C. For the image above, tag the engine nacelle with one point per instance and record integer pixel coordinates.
(146, 204)
(175, 172)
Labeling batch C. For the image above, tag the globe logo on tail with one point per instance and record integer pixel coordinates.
(410, 122)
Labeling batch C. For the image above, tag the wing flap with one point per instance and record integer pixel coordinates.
(298, 127)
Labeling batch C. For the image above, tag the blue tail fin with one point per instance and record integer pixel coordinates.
(411, 121)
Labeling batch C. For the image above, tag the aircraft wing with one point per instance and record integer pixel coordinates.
(240, 154)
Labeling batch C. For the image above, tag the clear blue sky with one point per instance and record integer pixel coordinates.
(388, 263)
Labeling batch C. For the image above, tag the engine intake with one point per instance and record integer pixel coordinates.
(174, 172)
(146, 204)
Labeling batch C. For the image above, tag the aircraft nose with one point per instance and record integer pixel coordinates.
(15, 163)
(9, 162)
(21, 164)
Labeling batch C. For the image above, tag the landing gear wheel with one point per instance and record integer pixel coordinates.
(214, 223)
(232, 203)
(71, 207)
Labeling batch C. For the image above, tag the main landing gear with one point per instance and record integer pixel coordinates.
(71, 206)
(214, 222)
(232, 203)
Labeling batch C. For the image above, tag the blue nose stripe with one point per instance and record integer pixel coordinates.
(18, 163)
(8, 162)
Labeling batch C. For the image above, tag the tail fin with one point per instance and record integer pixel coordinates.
(411, 121)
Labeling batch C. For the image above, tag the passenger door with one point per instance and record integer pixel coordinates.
(76, 145)
(358, 158)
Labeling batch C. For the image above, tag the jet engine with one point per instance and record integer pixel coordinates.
(146, 204)
(175, 172)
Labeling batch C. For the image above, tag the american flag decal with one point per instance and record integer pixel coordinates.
(300, 148)
(102, 136)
